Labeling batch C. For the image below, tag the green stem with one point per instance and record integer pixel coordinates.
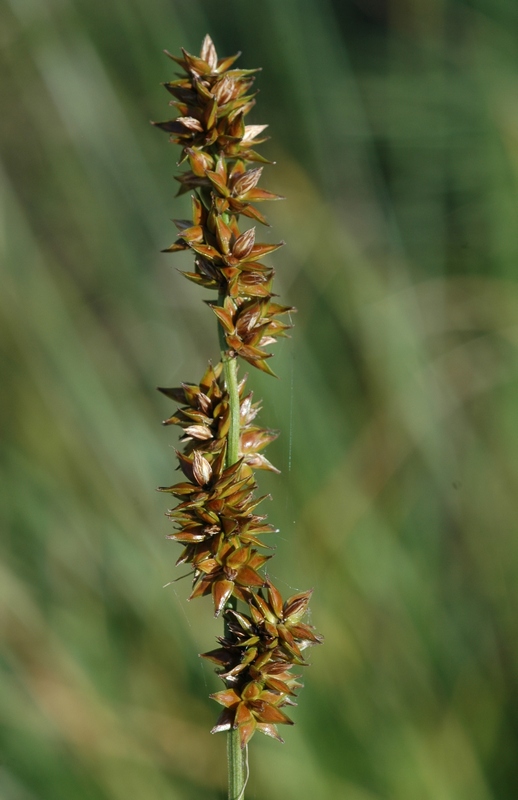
(236, 766)
(230, 373)
(235, 755)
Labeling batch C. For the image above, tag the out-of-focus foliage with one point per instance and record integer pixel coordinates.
(395, 132)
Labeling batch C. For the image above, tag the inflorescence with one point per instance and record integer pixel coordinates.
(216, 520)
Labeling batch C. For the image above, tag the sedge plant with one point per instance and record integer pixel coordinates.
(216, 520)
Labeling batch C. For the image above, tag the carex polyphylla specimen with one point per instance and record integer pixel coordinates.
(216, 520)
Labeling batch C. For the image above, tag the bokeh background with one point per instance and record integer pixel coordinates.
(394, 126)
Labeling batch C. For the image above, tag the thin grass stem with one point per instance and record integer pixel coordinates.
(235, 755)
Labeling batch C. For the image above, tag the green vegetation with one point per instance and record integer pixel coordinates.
(395, 132)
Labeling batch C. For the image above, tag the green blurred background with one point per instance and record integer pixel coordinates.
(394, 126)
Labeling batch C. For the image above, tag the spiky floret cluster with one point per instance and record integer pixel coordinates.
(216, 519)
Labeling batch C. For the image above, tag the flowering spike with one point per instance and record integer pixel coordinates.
(216, 519)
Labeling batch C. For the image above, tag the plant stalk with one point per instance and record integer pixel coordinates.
(230, 373)
(235, 755)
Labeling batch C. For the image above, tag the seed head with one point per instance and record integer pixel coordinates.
(215, 520)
